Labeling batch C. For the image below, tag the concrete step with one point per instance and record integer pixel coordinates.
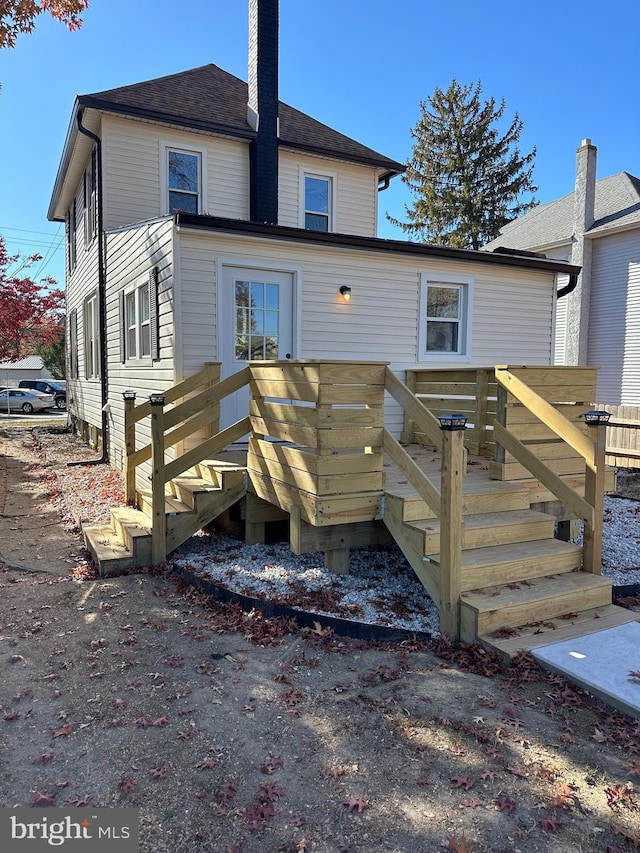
(493, 608)
(556, 630)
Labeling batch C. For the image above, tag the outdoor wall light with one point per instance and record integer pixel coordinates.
(452, 422)
(345, 292)
(156, 399)
(596, 417)
(129, 395)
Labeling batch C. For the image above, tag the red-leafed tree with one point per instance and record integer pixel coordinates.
(19, 16)
(30, 312)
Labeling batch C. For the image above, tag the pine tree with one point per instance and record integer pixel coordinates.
(468, 179)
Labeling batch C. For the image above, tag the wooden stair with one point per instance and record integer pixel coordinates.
(521, 587)
(192, 501)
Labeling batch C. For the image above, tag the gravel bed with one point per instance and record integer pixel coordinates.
(381, 588)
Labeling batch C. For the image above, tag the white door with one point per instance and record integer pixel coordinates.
(256, 324)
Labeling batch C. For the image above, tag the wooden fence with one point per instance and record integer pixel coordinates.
(623, 436)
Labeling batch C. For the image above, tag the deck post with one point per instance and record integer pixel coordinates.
(594, 494)
(129, 446)
(158, 513)
(451, 531)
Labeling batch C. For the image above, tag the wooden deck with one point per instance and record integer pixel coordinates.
(478, 530)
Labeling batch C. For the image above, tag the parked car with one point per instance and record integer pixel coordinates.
(25, 400)
(48, 386)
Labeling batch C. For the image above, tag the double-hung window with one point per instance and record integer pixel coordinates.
(318, 202)
(71, 237)
(91, 199)
(91, 337)
(137, 320)
(445, 304)
(184, 180)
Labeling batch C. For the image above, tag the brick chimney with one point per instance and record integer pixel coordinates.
(577, 339)
(262, 110)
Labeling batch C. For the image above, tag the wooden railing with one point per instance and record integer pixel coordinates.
(591, 449)
(471, 391)
(175, 425)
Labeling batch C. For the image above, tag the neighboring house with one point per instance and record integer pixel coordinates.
(231, 223)
(597, 227)
(11, 372)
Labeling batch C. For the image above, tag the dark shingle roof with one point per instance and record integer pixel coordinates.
(210, 99)
(617, 205)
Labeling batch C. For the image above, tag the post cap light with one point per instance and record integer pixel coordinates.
(452, 422)
(129, 394)
(345, 292)
(596, 416)
(156, 399)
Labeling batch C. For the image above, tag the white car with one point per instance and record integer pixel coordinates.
(24, 400)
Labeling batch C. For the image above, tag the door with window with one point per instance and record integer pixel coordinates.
(256, 315)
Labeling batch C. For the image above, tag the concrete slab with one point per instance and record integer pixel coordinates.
(600, 663)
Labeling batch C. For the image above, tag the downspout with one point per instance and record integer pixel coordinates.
(102, 300)
(568, 288)
(384, 181)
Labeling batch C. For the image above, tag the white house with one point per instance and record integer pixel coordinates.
(206, 221)
(597, 227)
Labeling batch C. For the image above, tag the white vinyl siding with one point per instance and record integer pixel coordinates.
(511, 319)
(354, 193)
(131, 254)
(560, 332)
(133, 156)
(614, 318)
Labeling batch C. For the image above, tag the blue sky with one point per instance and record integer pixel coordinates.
(569, 67)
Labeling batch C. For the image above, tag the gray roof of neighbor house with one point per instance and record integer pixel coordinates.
(208, 98)
(617, 206)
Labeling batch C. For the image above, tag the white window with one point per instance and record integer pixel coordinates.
(445, 304)
(317, 193)
(137, 320)
(90, 199)
(184, 180)
(91, 337)
(71, 237)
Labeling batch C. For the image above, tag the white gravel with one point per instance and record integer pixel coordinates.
(381, 587)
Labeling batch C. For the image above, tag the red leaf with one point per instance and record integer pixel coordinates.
(41, 800)
(463, 782)
(505, 804)
(550, 824)
(356, 803)
(462, 846)
(64, 731)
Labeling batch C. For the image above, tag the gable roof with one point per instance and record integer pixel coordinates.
(617, 206)
(210, 99)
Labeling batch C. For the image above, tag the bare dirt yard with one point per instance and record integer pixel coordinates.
(231, 732)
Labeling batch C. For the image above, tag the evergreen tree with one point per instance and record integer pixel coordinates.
(468, 179)
(53, 356)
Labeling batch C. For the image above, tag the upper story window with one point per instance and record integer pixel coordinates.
(184, 180)
(445, 308)
(91, 199)
(318, 202)
(71, 237)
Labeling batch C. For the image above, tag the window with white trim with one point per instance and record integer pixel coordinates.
(184, 180)
(137, 320)
(71, 237)
(91, 199)
(91, 337)
(318, 202)
(444, 317)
